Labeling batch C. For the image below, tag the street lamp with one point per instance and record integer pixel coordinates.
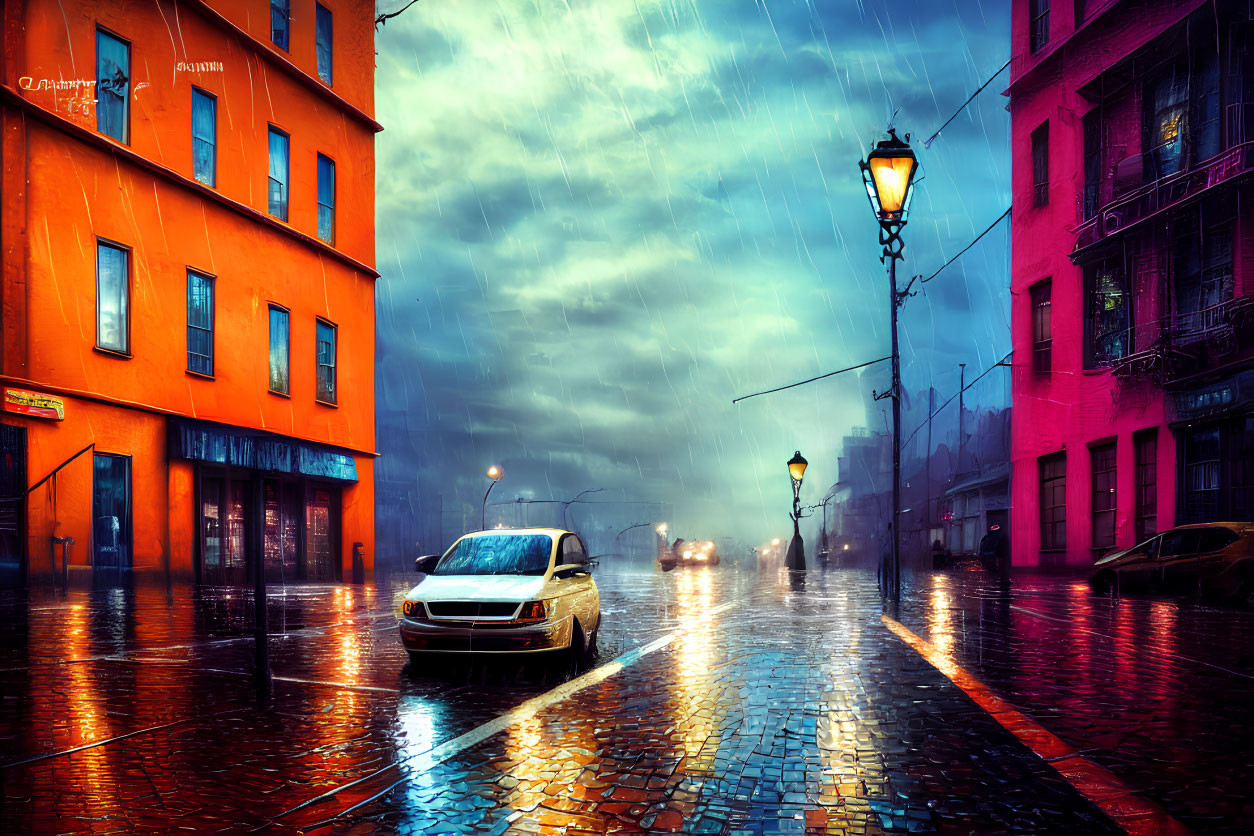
(796, 558)
(888, 173)
(494, 473)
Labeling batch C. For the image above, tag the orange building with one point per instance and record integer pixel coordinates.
(187, 355)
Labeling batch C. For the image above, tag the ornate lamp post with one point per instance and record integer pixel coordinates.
(796, 558)
(888, 172)
(494, 473)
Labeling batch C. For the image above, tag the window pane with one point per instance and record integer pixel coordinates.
(326, 199)
(112, 303)
(279, 22)
(199, 323)
(278, 174)
(279, 350)
(204, 137)
(324, 43)
(326, 362)
(113, 86)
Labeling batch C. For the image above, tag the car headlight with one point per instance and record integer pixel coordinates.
(533, 612)
(413, 609)
(688, 554)
(702, 556)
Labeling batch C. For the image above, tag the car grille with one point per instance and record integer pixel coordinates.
(471, 609)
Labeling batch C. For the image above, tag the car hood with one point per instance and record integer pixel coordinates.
(477, 588)
(1116, 557)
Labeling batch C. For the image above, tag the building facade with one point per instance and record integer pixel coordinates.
(1132, 130)
(187, 354)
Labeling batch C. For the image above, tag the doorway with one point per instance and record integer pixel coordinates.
(12, 503)
(111, 512)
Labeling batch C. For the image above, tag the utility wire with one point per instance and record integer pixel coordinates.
(935, 412)
(811, 380)
(989, 229)
(928, 142)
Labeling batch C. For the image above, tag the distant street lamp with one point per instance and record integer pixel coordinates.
(494, 473)
(888, 173)
(796, 558)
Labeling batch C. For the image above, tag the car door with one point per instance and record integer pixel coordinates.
(579, 597)
(1177, 559)
(1211, 557)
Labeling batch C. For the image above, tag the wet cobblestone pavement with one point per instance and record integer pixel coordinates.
(722, 701)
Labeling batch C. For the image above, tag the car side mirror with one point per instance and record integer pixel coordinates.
(426, 563)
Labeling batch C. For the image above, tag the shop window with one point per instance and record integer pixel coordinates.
(1038, 14)
(1103, 509)
(1053, 501)
(199, 323)
(282, 508)
(280, 350)
(1040, 165)
(113, 291)
(1146, 448)
(1107, 312)
(323, 41)
(280, 22)
(326, 361)
(279, 171)
(111, 511)
(204, 137)
(326, 199)
(113, 86)
(1042, 329)
(222, 526)
(321, 554)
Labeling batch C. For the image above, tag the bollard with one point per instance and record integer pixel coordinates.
(359, 563)
(64, 543)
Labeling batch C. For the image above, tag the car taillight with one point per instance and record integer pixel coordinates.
(531, 611)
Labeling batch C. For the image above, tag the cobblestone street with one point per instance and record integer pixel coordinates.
(721, 701)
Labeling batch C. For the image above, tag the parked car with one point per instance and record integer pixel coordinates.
(1215, 558)
(517, 591)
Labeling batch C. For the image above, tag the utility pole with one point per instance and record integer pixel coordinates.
(927, 460)
(962, 415)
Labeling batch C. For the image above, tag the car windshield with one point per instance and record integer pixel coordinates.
(497, 554)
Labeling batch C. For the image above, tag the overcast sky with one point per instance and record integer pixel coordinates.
(600, 221)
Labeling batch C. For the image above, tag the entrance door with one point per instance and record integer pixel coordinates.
(322, 533)
(282, 530)
(12, 502)
(222, 527)
(111, 512)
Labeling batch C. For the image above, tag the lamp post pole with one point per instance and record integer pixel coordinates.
(888, 173)
(796, 557)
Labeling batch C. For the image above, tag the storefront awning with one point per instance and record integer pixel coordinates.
(257, 450)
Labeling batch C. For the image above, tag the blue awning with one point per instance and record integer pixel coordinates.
(257, 450)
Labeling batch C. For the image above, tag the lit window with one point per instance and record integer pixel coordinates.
(1107, 319)
(326, 362)
(113, 298)
(199, 323)
(113, 86)
(204, 137)
(279, 144)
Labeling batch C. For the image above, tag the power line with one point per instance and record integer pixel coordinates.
(936, 411)
(989, 229)
(811, 380)
(928, 142)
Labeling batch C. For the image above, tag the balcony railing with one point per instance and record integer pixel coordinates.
(1134, 206)
(1188, 343)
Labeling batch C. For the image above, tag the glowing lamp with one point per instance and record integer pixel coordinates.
(889, 176)
(797, 467)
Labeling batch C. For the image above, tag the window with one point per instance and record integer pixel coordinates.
(1166, 104)
(204, 137)
(280, 17)
(1108, 312)
(323, 42)
(1081, 12)
(1040, 165)
(1214, 539)
(1205, 90)
(111, 511)
(326, 362)
(199, 323)
(1202, 269)
(1094, 133)
(113, 291)
(1103, 462)
(279, 142)
(1201, 475)
(1042, 333)
(280, 349)
(1053, 471)
(326, 199)
(1038, 14)
(113, 86)
(1146, 445)
(1177, 543)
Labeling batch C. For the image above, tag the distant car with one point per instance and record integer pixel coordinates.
(699, 553)
(1217, 558)
(517, 591)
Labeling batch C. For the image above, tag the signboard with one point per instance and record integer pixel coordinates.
(35, 404)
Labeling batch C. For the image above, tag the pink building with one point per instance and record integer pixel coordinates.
(1132, 123)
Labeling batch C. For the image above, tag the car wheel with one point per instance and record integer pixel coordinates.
(1104, 583)
(578, 649)
(414, 659)
(592, 642)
